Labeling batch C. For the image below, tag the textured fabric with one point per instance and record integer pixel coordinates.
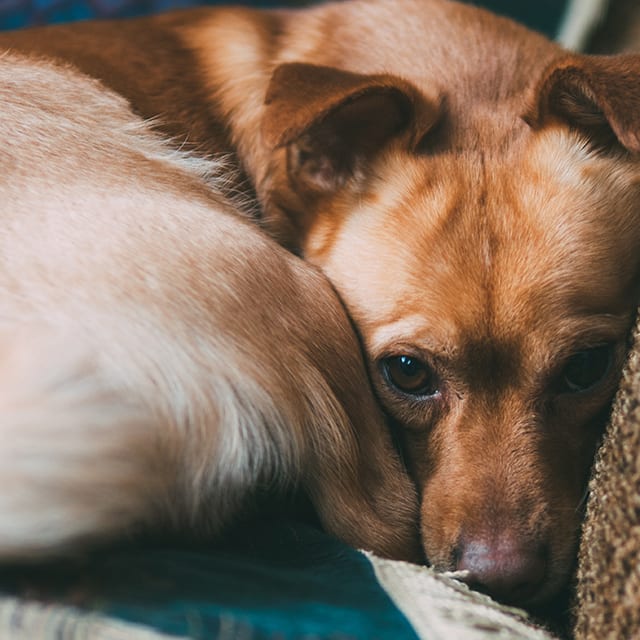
(276, 581)
(24, 620)
(271, 581)
(609, 571)
(440, 608)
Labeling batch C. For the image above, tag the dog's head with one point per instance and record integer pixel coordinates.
(491, 265)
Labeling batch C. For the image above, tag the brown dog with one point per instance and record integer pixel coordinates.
(470, 189)
(160, 356)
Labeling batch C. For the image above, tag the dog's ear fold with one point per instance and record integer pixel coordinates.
(331, 121)
(598, 95)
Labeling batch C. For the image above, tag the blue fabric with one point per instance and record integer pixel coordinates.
(25, 13)
(543, 15)
(274, 580)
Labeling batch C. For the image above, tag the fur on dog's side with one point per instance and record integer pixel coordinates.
(159, 356)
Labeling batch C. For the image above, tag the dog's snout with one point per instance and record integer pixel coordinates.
(502, 567)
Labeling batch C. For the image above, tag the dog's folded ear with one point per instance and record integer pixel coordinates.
(323, 128)
(598, 95)
(331, 121)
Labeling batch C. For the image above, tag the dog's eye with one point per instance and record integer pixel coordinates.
(410, 375)
(585, 369)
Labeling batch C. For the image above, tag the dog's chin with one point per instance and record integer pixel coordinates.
(557, 579)
(540, 600)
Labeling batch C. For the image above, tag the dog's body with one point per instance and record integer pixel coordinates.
(162, 358)
(470, 189)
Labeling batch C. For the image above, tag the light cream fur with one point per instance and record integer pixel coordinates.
(159, 356)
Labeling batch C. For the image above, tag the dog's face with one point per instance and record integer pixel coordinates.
(494, 305)
(493, 288)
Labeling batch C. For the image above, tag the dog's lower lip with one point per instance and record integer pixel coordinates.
(524, 596)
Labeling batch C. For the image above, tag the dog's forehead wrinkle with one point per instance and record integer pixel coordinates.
(464, 240)
(455, 241)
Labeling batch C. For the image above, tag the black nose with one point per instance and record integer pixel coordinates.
(504, 567)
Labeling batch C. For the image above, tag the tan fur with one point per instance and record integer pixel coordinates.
(159, 357)
(470, 190)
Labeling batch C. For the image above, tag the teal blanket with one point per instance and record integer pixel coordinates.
(269, 581)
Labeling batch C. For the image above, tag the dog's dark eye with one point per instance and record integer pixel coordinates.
(410, 375)
(585, 369)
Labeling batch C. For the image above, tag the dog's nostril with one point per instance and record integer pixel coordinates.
(503, 568)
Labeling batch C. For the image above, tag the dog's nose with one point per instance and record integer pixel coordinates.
(503, 567)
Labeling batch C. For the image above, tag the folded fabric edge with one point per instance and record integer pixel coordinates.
(24, 620)
(440, 608)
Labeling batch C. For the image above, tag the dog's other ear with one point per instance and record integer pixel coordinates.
(323, 126)
(598, 95)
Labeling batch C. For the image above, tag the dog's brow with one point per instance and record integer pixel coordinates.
(592, 330)
(409, 330)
